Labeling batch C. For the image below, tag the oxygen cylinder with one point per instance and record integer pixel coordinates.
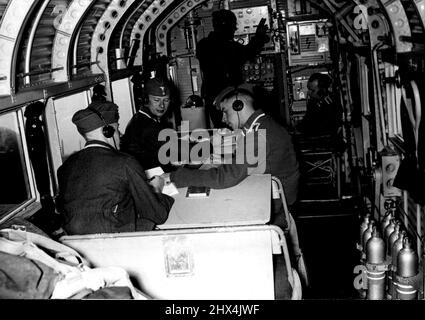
(375, 248)
(363, 227)
(386, 221)
(375, 254)
(393, 238)
(367, 234)
(397, 246)
(407, 266)
(388, 230)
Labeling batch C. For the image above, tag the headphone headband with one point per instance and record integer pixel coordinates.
(107, 130)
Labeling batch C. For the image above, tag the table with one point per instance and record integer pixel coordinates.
(247, 203)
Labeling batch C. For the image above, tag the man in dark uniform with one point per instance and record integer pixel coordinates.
(102, 190)
(141, 135)
(279, 157)
(323, 117)
(221, 59)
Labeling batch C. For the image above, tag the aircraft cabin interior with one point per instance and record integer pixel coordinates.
(356, 229)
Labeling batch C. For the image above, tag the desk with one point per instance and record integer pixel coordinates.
(247, 203)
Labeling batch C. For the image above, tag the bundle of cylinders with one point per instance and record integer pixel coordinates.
(407, 267)
(375, 270)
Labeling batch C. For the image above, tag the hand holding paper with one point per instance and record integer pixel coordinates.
(168, 188)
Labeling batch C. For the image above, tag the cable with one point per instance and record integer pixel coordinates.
(421, 238)
(115, 144)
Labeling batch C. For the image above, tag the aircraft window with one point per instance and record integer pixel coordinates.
(394, 112)
(122, 93)
(62, 110)
(15, 189)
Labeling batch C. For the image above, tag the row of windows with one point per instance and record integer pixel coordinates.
(17, 184)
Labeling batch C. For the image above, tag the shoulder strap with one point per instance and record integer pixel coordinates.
(60, 250)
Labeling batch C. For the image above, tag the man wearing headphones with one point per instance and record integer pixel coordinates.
(141, 135)
(237, 105)
(322, 117)
(102, 190)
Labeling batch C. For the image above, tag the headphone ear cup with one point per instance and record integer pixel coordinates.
(108, 131)
(237, 105)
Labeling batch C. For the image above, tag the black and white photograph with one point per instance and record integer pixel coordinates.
(212, 159)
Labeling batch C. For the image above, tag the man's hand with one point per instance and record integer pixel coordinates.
(262, 28)
(166, 177)
(157, 183)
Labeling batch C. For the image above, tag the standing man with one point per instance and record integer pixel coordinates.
(102, 190)
(221, 59)
(141, 135)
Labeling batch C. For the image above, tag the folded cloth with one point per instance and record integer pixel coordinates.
(72, 275)
(23, 278)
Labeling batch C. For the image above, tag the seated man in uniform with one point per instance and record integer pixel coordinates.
(278, 159)
(141, 135)
(323, 117)
(276, 156)
(102, 190)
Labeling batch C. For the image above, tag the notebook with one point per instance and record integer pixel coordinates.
(197, 192)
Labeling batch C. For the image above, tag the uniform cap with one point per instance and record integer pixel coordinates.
(86, 120)
(157, 87)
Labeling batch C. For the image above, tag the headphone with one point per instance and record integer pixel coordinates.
(107, 130)
(238, 104)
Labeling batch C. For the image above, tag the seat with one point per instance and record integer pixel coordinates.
(290, 231)
(200, 263)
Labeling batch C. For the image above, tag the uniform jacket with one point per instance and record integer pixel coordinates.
(323, 117)
(141, 140)
(102, 190)
(280, 161)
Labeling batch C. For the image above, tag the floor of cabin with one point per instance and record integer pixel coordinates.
(328, 234)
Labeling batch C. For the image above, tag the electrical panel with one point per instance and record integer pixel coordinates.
(299, 96)
(300, 7)
(308, 42)
(260, 71)
(248, 19)
(299, 88)
(390, 165)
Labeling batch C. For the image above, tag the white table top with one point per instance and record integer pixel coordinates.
(247, 203)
